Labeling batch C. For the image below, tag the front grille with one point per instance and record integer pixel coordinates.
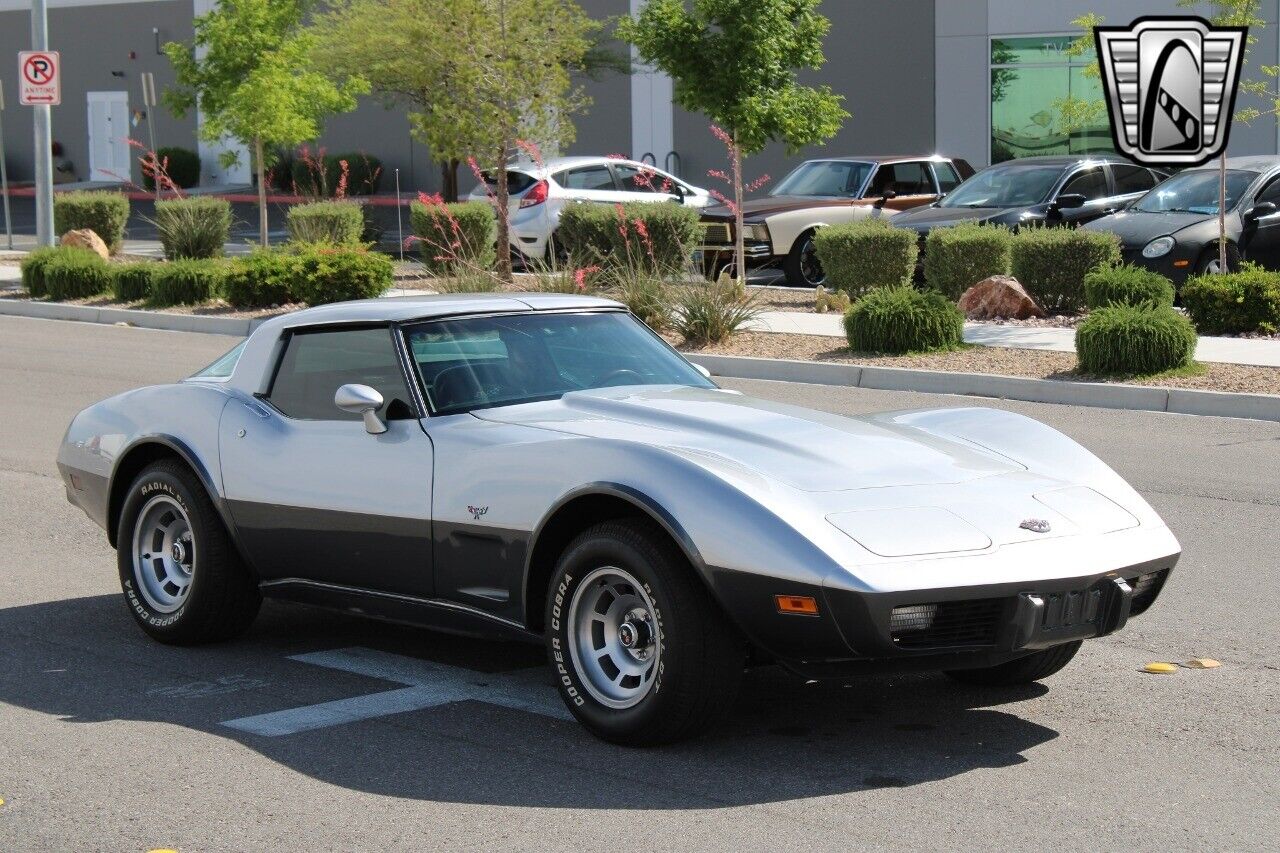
(1145, 589)
(954, 623)
(717, 233)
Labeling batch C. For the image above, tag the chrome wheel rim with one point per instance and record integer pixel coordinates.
(1213, 267)
(163, 554)
(810, 267)
(614, 637)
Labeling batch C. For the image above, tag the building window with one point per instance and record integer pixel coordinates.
(1031, 77)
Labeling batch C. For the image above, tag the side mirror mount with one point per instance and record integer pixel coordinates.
(364, 401)
(698, 367)
(1259, 210)
(1069, 201)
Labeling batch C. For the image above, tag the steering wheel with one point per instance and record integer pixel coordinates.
(608, 379)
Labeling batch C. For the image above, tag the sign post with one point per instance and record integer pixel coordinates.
(4, 177)
(149, 101)
(38, 75)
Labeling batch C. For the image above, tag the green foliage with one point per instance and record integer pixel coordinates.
(710, 313)
(33, 266)
(903, 319)
(1235, 303)
(105, 213)
(75, 273)
(652, 237)
(320, 175)
(958, 257)
(132, 282)
(453, 236)
(186, 282)
(646, 296)
(262, 279)
(1051, 263)
(338, 222)
(339, 273)
(1134, 340)
(870, 253)
(182, 165)
(196, 227)
(1126, 285)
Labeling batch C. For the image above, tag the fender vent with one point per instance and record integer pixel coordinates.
(954, 623)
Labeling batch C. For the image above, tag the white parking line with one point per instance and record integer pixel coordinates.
(429, 685)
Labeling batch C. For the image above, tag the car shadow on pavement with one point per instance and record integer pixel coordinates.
(84, 661)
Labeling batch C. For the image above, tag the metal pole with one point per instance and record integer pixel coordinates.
(43, 136)
(399, 223)
(149, 101)
(4, 177)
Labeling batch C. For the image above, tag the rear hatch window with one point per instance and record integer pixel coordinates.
(517, 182)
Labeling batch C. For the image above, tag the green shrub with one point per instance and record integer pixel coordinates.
(958, 257)
(186, 282)
(903, 319)
(262, 279)
(647, 297)
(105, 213)
(338, 273)
(1051, 263)
(1126, 285)
(196, 227)
(337, 223)
(76, 273)
(445, 247)
(131, 282)
(652, 237)
(33, 267)
(868, 254)
(1134, 339)
(181, 164)
(710, 313)
(1232, 304)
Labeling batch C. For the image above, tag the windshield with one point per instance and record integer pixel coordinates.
(824, 178)
(1005, 186)
(1195, 191)
(481, 362)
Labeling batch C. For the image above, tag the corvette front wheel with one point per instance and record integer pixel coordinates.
(641, 653)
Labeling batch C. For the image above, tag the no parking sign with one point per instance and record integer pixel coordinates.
(39, 79)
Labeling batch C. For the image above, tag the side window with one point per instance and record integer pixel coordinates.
(316, 364)
(1270, 192)
(947, 177)
(1091, 184)
(903, 179)
(633, 180)
(1131, 179)
(587, 178)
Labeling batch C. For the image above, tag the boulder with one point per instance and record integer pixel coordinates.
(86, 239)
(1000, 297)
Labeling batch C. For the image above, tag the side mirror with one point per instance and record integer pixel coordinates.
(1069, 201)
(364, 401)
(1259, 210)
(887, 195)
(678, 192)
(698, 367)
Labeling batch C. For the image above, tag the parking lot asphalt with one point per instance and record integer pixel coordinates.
(109, 741)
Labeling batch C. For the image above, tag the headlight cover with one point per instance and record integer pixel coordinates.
(755, 231)
(1158, 248)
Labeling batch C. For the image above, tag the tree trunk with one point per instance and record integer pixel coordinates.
(1222, 213)
(504, 224)
(739, 247)
(449, 179)
(262, 192)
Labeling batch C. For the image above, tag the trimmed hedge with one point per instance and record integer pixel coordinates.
(105, 213)
(181, 164)
(131, 282)
(186, 282)
(472, 243)
(33, 267)
(959, 256)
(1134, 339)
(1232, 304)
(1051, 263)
(76, 273)
(262, 279)
(1126, 285)
(339, 273)
(903, 319)
(652, 237)
(333, 222)
(861, 256)
(196, 227)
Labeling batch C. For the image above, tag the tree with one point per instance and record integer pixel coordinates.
(736, 61)
(249, 72)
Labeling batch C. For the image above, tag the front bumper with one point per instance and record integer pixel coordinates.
(1176, 265)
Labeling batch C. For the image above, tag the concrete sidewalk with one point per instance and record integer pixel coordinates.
(1259, 352)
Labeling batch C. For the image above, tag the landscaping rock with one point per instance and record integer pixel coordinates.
(86, 239)
(1000, 297)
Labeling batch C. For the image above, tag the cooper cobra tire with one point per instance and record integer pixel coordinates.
(801, 269)
(680, 684)
(1021, 671)
(183, 580)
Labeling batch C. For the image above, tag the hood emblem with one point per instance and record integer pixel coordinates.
(1036, 525)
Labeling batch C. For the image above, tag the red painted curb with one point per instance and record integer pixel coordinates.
(234, 198)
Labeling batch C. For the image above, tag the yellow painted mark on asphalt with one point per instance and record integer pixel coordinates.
(1160, 668)
(1202, 663)
(163, 850)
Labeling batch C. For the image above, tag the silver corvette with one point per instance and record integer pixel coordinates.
(545, 467)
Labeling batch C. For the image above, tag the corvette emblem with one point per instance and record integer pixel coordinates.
(477, 511)
(1036, 525)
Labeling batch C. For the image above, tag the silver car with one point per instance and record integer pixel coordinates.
(546, 468)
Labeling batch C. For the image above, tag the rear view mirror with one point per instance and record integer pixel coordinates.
(364, 401)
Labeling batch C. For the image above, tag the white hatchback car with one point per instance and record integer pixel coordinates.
(539, 192)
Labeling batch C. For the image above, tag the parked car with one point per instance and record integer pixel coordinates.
(778, 229)
(546, 468)
(1174, 228)
(1058, 190)
(539, 192)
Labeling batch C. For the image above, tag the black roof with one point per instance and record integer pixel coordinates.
(1248, 163)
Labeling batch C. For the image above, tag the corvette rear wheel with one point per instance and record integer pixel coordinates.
(1025, 670)
(642, 654)
(182, 578)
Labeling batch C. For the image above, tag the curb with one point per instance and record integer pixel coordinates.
(1264, 407)
(236, 326)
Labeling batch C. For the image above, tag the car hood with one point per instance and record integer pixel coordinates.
(758, 208)
(1137, 228)
(807, 450)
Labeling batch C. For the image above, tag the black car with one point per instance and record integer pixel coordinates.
(1174, 228)
(1067, 190)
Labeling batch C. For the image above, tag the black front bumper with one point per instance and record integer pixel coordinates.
(1176, 266)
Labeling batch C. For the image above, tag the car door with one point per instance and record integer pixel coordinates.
(594, 183)
(1260, 239)
(1092, 183)
(1128, 184)
(911, 183)
(312, 493)
(643, 185)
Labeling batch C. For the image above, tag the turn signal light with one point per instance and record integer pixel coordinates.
(803, 605)
(1182, 263)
